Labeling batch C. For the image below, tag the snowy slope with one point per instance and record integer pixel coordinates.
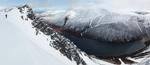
(94, 21)
(19, 49)
(22, 44)
(82, 17)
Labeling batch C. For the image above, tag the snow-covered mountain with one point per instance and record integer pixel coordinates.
(48, 47)
(43, 44)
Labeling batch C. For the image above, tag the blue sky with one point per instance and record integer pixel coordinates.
(58, 4)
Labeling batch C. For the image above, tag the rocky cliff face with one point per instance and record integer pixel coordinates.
(65, 46)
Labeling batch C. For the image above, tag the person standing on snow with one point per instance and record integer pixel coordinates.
(6, 15)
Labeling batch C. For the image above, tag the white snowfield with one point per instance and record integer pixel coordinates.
(19, 44)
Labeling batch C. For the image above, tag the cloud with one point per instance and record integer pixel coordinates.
(38, 3)
(115, 4)
(59, 4)
(130, 4)
(2, 7)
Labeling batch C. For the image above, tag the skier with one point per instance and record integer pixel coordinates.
(6, 15)
(65, 21)
(22, 17)
(26, 19)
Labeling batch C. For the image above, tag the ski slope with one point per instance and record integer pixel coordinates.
(19, 45)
